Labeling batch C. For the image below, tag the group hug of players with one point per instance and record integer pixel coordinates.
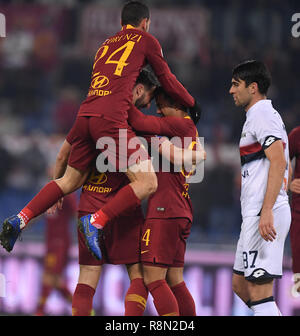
(111, 224)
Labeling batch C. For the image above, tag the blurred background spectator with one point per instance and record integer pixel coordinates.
(46, 62)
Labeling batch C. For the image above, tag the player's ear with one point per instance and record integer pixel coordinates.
(140, 89)
(144, 25)
(253, 87)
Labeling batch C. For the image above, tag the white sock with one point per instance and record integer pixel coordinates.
(265, 307)
(22, 219)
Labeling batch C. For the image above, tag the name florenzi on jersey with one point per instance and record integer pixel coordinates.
(127, 37)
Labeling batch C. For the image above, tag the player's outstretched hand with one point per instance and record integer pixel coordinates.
(56, 206)
(295, 186)
(195, 112)
(266, 225)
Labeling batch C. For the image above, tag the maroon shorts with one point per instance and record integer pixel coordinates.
(117, 141)
(120, 242)
(163, 241)
(295, 238)
(56, 257)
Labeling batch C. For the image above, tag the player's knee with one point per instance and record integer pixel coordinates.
(152, 273)
(89, 275)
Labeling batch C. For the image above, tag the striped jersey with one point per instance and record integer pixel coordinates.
(262, 127)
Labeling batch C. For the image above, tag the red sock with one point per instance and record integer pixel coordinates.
(184, 299)
(136, 298)
(65, 292)
(48, 196)
(125, 199)
(82, 303)
(46, 290)
(163, 298)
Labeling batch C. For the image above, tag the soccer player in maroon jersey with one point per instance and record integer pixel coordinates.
(168, 222)
(104, 112)
(294, 149)
(57, 249)
(120, 240)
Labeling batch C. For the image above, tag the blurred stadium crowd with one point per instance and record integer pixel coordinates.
(45, 67)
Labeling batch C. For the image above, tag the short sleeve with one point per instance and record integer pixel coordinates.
(267, 126)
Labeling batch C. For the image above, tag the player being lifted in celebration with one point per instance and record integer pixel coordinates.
(264, 202)
(103, 113)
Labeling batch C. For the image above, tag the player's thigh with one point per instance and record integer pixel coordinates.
(240, 286)
(119, 146)
(89, 275)
(143, 183)
(83, 150)
(134, 271)
(153, 273)
(259, 291)
(72, 180)
(174, 276)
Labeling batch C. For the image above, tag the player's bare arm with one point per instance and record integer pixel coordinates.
(59, 170)
(275, 155)
(62, 160)
(181, 156)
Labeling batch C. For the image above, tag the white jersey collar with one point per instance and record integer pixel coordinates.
(259, 105)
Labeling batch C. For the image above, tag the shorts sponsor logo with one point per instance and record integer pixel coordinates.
(142, 252)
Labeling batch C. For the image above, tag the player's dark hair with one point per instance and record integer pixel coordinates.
(253, 71)
(133, 13)
(147, 78)
(160, 92)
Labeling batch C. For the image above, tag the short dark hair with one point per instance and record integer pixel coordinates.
(147, 78)
(253, 71)
(133, 13)
(160, 92)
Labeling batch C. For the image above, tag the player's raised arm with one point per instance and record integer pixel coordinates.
(168, 81)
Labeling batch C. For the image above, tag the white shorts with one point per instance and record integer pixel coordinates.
(257, 259)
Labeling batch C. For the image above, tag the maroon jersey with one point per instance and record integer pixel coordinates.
(57, 224)
(99, 189)
(171, 198)
(120, 242)
(117, 65)
(294, 150)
